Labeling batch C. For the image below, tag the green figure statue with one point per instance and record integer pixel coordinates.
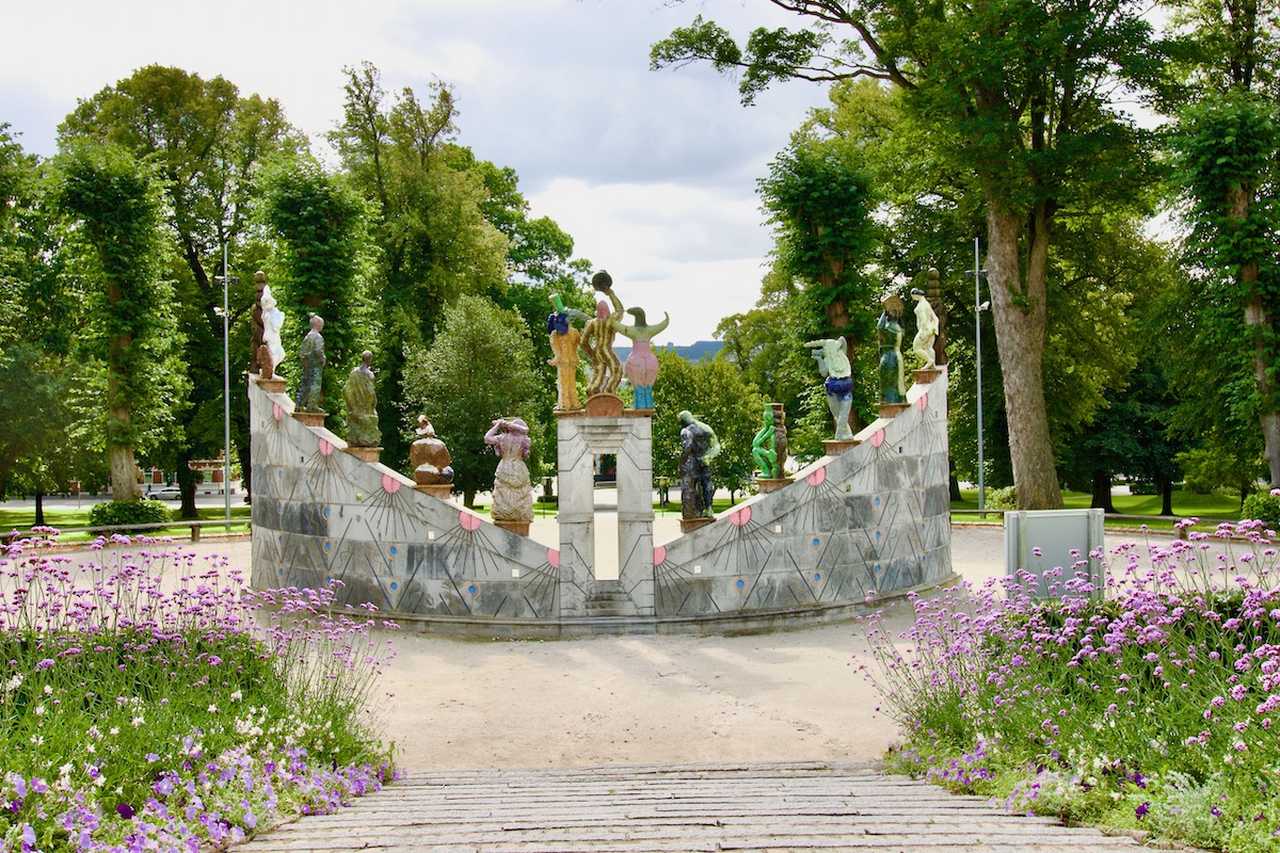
(764, 447)
(889, 334)
(362, 405)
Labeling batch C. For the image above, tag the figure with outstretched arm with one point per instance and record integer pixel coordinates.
(642, 364)
(565, 339)
(832, 355)
(700, 445)
(598, 336)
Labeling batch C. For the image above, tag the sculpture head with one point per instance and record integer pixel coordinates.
(317, 322)
(517, 426)
(638, 313)
(366, 358)
(602, 280)
(602, 309)
(768, 413)
(917, 294)
(892, 304)
(425, 429)
(259, 279)
(685, 418)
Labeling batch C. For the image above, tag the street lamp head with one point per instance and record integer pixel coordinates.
(984, 306)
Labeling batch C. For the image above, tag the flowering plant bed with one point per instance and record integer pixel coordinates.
(1149, 705)
(147, 703)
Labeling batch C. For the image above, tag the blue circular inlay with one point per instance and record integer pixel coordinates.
(328, 545)
(741, 583)
(876, 567)
(472, 589)
(392, 550)
(877, 535)
(395, 585)
(817, 541)
(817, 576)
(877, 501)
(326, 512)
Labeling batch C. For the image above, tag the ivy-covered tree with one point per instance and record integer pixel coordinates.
(117, 206)
(478, 368)
(1016, 97)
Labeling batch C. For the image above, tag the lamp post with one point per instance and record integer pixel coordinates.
(978, 307)
(226, 385)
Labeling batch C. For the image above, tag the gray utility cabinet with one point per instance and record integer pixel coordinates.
(1055, 532)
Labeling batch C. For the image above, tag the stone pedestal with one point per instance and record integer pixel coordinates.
(311, 419)
(443, 491)
(274, 385)
(926, 375)
(604, 406)
(365, 454)
(892, 410)
(568, 413)
(836, 446)
(520, 528)
(688, 525)
(767, 485)
(639, 413)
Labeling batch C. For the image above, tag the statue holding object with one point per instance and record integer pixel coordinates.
(893, 391)
(598, 337)
(832, 355)
(700, 447)
(565, 340)
(362, 405)
(512, 489)
(642, 364)
(926, 330)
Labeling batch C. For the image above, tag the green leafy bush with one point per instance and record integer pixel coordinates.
(1006, 498)
(1263, 507)
(114, 513)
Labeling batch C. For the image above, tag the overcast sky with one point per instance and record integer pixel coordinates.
(653, 173)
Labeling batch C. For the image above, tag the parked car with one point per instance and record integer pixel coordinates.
(164, 493)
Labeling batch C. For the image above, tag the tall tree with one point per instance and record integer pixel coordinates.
(118, 206)
(205, 140)
(1019, 97)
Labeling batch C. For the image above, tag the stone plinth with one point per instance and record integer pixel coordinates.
(365, 454)
(568, 413)
(926, 375)
(604, 406)
(274, 385)
(443, 491)
(688, 525)
(767, 484)
(892, 410)
(520, 528)
(836, 446)
(311, 419)
(639, 413)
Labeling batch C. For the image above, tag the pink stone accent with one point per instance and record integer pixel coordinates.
(741, 517)
(468, 521)
(390, 484)
(818, 477)
(659, 555)
(326, 449)
(923, 402)
(277, 412)
(553, 557)
(878, 438)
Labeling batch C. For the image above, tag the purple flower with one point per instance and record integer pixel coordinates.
(1141, 811)
(124, 810)
(46, 663)
(1215, 811)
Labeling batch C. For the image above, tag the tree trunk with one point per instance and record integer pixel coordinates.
(39, 507)
(954, 482)
(1166, 496)
(1019, 314)
(1102, 491)
(187, 486)
(469, 498)
(124, 480)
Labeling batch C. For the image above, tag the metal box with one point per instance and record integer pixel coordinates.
(1041, 540)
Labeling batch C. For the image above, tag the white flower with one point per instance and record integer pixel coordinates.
(89, 748)
(48, 690)
(213, 709)
(137, 721)
(114, 730)
(36, 740)
(100, 781)
(39, 709)
(14, 683)
(237, 696)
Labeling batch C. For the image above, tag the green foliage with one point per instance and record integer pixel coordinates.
(113, 513)
(1208, 469)
(1263, 506)
(1002, 498)
(717, 394)
(478, 369)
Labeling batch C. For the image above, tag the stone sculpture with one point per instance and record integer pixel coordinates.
(893, 390)
(256, 328)
(432, 464)
(763, 448)
(700, 447)
(512, 489)
(362, 405)
(780, 437)
(926, 329)
(642, 365)
(271, 352)
(832, 355)
(311, 357)
(598, 337)
(565, 340)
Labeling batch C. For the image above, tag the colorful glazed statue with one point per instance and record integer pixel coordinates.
(256, 327)
(598, 337)
(432, 464)
(763, 448)
(889, 332)
(642, 364)
(362, 405)
(926, 329)
(832, 355)
(512, 490)
(780, 445)
(565, 340)
(311, 357)
(272, 321)
(700, 447)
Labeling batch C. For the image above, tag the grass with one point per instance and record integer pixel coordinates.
(65, 517)
(1185, 504)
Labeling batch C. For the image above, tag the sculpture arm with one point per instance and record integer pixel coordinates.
(491, 437)
(654, 331)
(615, 302)
(714, 449)
(575, 314)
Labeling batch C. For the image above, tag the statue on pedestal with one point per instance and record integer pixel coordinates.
(700, 447)
(256, 327)
(642, 364)
(565, 340)
(926, 329)
(311, 357)
(362, 405)
(598, 337)
(763, 448)
(889, 333)
(832, 355)
(512, 490)
(271, 350)
(432, 464)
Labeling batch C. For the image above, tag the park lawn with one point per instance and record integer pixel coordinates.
(1185, 504)
(68, 517)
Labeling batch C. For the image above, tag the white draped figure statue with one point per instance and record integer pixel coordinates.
(272, 321)
(926, 330)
